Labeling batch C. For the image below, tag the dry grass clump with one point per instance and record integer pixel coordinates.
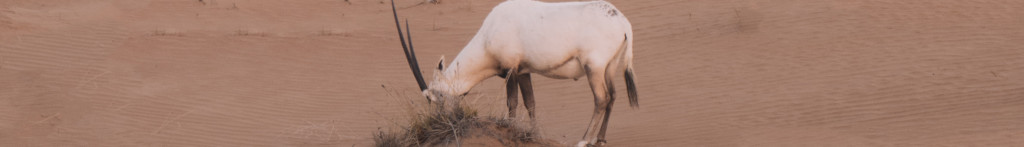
(452, 124)
(516, 131)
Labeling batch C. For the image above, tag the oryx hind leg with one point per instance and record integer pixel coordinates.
(608, 109)
(526, 86)
(598, 84)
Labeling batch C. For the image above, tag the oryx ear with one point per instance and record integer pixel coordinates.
(440, 64)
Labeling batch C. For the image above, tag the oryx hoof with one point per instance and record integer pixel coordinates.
(583, 143)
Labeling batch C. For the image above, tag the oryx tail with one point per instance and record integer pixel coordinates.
(630, 76)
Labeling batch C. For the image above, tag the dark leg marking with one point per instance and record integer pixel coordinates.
(608, 110)
(512, 91)
(526, 86)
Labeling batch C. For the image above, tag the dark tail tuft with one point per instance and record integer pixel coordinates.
(631, 88)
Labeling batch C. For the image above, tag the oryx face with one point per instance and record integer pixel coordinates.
(439, 87)
(442, 85)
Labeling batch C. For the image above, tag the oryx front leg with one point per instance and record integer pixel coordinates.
(526, 86)
(599, 85)
(511, 89)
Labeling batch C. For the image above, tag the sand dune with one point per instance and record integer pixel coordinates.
(330, 73)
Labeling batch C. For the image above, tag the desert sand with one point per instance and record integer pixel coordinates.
(331, 72)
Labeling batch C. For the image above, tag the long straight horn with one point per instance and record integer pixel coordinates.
(410, 55)
(415, 65)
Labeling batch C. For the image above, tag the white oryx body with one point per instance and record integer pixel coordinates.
(565, 40)
(550, 39)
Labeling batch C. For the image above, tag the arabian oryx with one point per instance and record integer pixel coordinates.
(565, 40)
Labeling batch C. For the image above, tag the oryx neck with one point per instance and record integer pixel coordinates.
(468, 69)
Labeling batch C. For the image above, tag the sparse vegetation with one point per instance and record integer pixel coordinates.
(250, 32)
(167, 32)
(328, 32)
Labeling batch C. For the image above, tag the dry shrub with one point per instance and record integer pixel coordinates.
(450, 123)
(516, 131)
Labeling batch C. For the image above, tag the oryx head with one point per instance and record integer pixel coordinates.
(439, 87)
